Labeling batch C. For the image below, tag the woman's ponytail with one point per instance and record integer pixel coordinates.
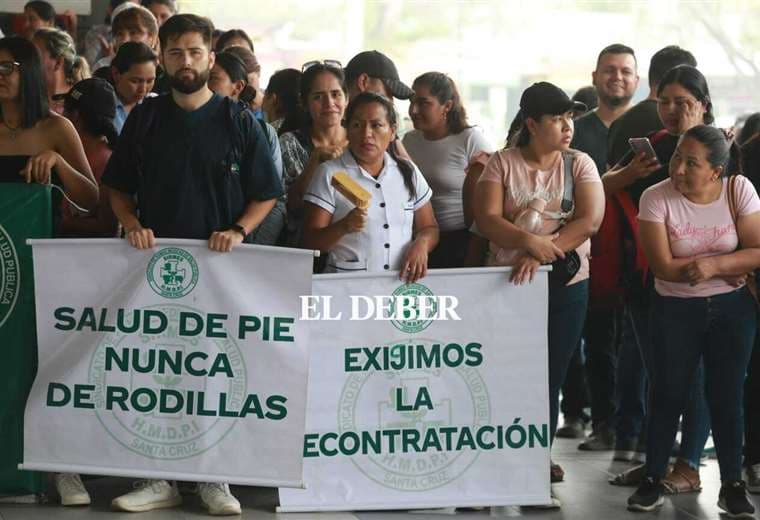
(735, 164)
(80, 70)
(247, 95)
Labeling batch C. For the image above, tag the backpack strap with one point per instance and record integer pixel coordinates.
(567, 204)
(240, 120)
(146, 118)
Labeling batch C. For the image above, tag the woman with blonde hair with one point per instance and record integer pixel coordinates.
(63, 67)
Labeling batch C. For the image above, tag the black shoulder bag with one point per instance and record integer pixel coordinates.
(564, 269)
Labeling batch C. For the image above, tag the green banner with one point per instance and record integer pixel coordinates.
(25, 212)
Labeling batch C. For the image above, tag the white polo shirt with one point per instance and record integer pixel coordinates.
(381, 245)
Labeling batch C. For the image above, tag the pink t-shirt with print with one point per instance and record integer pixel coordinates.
(522, 184)
(697, 230)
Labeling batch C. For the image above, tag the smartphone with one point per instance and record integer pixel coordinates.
(642, 144)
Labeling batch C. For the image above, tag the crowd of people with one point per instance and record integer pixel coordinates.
(155, 125)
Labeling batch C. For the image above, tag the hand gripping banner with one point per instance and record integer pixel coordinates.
(176, 362)
(425, 395)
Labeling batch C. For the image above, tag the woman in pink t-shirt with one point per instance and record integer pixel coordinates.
(532, 171)
(700, 230)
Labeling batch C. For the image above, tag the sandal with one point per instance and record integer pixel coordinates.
(682, 479)
(630, 477)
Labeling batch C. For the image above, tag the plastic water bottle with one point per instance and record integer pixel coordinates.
(530, 219)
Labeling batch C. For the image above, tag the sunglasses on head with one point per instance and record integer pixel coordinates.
(7, 67)
(327, 63)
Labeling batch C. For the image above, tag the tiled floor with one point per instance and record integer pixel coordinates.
(585, 495)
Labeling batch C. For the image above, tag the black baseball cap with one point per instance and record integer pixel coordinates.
(377, 65)
(545, 98)
(94, 96)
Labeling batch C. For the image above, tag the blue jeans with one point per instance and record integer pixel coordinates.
(567, 312)
(635, 357)
(695, 423)
(719, 330)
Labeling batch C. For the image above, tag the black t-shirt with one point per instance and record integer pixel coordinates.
(180, 170)
(664, 148)
(591, 137)
(639, 121)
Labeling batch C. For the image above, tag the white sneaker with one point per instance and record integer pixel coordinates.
(147, 496)
(71, 490)
(217, 499)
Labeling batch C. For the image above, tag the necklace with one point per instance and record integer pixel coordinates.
(12, 131)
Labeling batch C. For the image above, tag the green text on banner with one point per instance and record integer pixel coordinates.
(177, 362)
(412, 412)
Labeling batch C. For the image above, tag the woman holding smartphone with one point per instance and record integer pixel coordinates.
(683, 103)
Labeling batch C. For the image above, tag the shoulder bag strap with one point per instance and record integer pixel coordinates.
(567, 195)
(731, 195)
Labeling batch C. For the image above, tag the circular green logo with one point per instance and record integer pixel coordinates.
(367, 403)
(10, 276)
(174, 435)
(172, 273)
(414, 320)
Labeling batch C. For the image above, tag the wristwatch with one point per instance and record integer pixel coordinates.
(240, 229)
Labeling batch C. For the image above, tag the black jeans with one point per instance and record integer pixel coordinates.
(631, 382)
(451, 249)
(575, 390)
(601, 333)
(752, 408)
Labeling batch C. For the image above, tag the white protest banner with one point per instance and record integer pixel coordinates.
(411, 412)
(176, 362)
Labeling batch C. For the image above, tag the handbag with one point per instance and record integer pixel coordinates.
(751, 278)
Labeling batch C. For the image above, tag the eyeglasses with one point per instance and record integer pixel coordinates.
(335, 64)
(7, 67)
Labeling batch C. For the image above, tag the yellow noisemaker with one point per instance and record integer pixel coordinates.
(350, 189)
